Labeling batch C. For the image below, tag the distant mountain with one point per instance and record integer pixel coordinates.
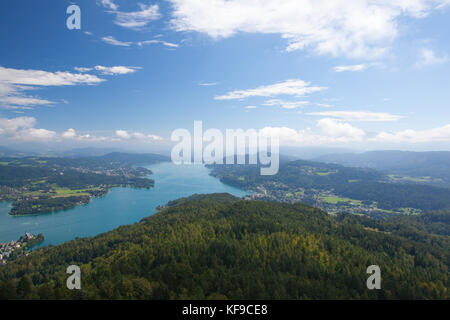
(310, 153)
(415, 164)
(8, 152)
(88, 152)
(134, 158)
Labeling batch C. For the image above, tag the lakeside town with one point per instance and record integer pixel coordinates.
(16, 249)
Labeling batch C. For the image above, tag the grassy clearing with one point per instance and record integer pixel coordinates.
(67, 192)
(410, 179)
(337, 199)
(325, 173)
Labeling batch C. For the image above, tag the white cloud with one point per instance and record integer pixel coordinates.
(169, 44)
(328, 131)
(115, 70)
(325, 105)
(339, 130)
(10, 126)
(45, 78)
(134, 19)
(69, 134)
(356, 67)
(22, 128)
(358, 115)
(251, 107)
(82, 69)
(113, 41)
(292, 87)
(14, 82)
(416, 136)
(354, 28)
(109, 4)
(207, 84)
(122, 134)
(13, 102)
(428, 57)
(125, 135)
(33, 134)
(285, 104)
(164, 43)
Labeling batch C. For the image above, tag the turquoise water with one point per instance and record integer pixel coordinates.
(119, 207)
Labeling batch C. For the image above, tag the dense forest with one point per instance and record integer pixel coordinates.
(218, 247)
(390, 196)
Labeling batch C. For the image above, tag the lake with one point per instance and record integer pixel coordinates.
(120, 206)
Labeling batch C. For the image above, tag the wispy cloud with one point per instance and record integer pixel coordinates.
(293, 87)
(164, 43)
(428, 57)
(109, 4)
(116, 70)
(358, 67)
(285, 104)
(15, 82)
(325, 105)
(82, 69)
(113, 41)
(207, 84)
(134, 19)
(358, 116)
(355, 67)
(45, 78)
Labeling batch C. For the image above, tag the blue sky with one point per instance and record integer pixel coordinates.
(359, 74)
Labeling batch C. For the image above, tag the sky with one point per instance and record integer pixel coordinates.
(357, 74)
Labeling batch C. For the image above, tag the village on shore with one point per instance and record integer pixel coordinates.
(16, 249)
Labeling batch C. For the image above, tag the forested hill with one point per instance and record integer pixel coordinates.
(333, 186)
(218, 246)
(134, 158)
(435, 165)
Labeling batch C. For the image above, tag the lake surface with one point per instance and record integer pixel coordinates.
(120, 206)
